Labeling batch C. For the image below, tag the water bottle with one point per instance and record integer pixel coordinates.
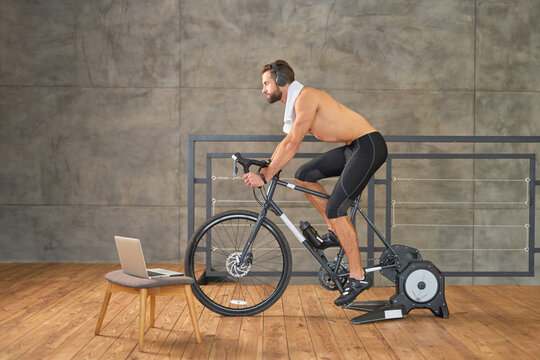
(310, 233)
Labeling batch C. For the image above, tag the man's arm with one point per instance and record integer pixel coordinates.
(305, 108)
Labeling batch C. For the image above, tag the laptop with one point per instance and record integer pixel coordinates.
(132, 260)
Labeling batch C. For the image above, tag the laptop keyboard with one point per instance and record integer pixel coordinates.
(154, 274)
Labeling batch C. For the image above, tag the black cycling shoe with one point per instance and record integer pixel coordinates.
(328, 240)
(353, 288)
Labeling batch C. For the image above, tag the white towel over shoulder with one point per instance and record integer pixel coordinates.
(288, 117)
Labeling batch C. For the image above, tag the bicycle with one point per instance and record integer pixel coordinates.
(242, 262)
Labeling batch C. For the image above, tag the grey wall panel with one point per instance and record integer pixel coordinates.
(37, 40)
(225, 111)
(507, 113)
(96, 43)
(86, 233)
(508, 45)
(133, 43)
(89, 146)
(339, 45)
(413, 112)
(214, 111)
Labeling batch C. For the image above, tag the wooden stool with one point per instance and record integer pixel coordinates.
(174, 285)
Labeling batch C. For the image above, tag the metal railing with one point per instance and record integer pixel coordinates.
(387, 181)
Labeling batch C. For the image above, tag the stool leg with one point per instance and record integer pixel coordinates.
(192, 312)
(142, 316)
(104, 306)
(152, 309)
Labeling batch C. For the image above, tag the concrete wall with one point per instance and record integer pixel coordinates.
(97, 100)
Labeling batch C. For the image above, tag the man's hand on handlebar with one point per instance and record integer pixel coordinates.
(253, 180)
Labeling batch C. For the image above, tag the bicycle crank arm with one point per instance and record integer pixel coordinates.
(379, 267)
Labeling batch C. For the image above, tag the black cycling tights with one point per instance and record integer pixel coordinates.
(355, 164)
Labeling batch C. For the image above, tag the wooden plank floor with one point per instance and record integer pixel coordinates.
(49, 311)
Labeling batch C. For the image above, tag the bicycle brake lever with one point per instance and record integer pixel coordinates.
(235, 169)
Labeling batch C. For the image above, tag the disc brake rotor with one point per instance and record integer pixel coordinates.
(233, 265)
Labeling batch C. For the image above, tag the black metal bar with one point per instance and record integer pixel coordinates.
(388, 202)
(450, 273)
(371, 215)
(446, 273)
(208, 185)
(261, 155)
(362, 248)
(487, 273)
(224, 274)
(372, 226)
(465, 139)
(400, 156)
(208, 182)
(532, 214)
(460, 156)
(388, 138)
(191, 186)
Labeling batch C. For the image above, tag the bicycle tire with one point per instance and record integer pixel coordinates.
(222, 286)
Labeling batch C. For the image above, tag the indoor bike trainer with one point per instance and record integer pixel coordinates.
(419, 283)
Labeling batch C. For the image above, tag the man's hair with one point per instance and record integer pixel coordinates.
(283, 67)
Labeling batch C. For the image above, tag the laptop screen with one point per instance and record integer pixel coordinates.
(131, 256)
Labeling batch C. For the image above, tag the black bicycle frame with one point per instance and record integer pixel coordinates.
(317, 254)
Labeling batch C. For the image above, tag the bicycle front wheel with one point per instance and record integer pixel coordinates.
(222, 283)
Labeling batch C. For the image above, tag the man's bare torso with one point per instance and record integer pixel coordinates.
(333, 122)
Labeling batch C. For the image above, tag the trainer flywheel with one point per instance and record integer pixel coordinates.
(421, 286)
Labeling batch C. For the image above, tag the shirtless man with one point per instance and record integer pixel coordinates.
(355, 163)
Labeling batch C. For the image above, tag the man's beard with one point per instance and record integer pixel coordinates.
(274, 97)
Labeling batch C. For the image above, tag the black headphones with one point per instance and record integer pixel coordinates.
(281, 80)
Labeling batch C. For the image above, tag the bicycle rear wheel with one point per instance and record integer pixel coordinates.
(227, 287)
